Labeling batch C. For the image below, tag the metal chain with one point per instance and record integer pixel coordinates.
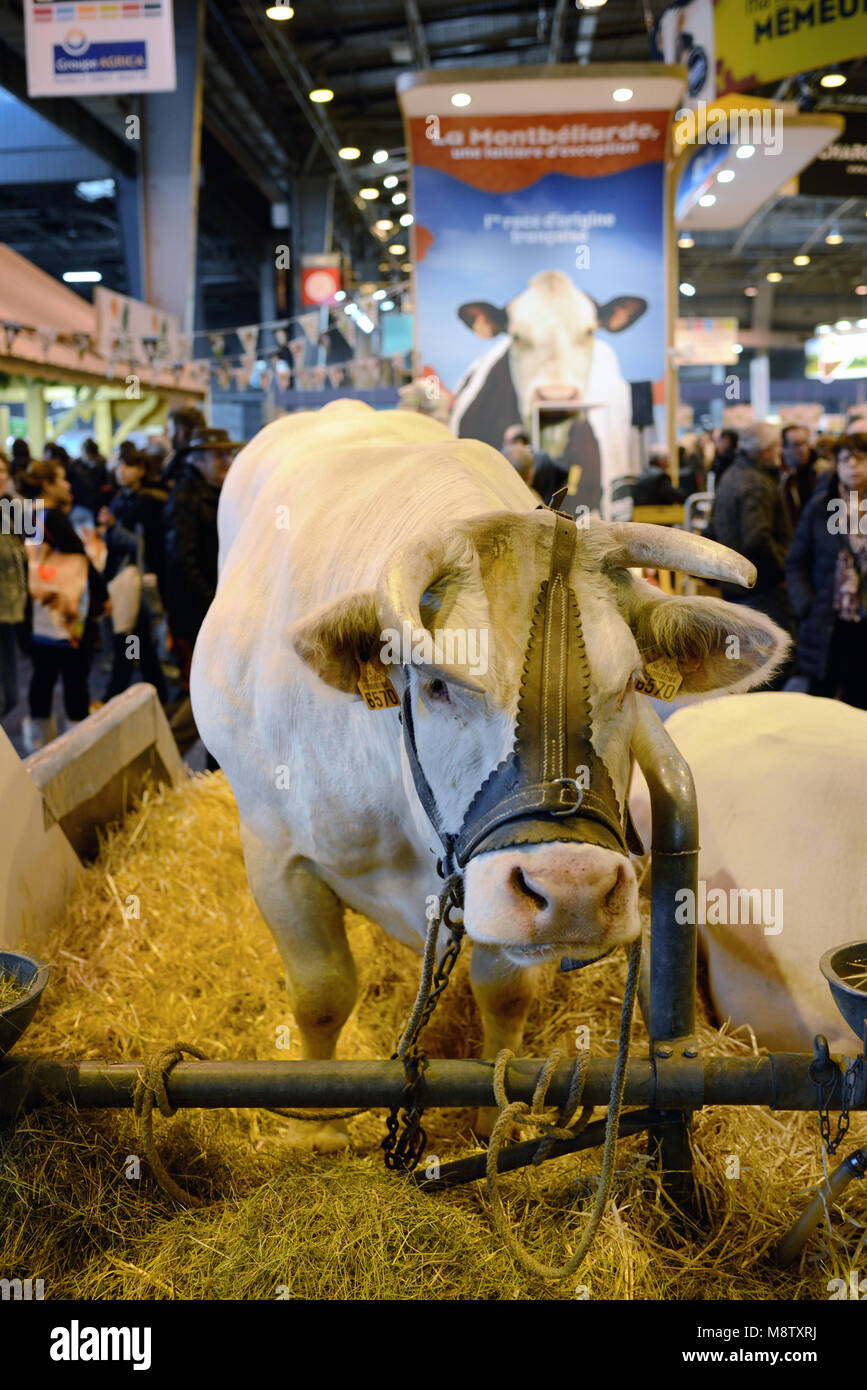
(403, 1151)
(847, 1099)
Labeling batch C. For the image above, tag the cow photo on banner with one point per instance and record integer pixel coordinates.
(540, 280)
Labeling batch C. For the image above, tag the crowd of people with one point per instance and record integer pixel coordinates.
(796, 509)
(122, 562)
(127, 562)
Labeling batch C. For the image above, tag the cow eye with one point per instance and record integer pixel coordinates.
(438, 690)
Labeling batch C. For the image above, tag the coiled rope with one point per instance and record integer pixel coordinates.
(531, 1115)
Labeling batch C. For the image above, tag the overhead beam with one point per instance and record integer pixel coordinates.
(558, 25)
(416, 34)
(68, 116)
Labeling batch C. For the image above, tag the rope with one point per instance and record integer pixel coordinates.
(150, 1090)
(531, 1115)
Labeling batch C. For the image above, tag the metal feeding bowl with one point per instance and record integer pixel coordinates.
(32, 976)
(845, 969)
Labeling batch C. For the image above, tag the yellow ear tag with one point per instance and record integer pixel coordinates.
(661, 679)
(375, 688)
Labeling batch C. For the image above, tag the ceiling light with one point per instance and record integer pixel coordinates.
(801, 260)
(824, 328)
(383, 225)
(590, 4)
(339, 295)
(745, 151)
(379, 294)
(397, 249)
(833, 239)
(386, 305)
(407, 219)
(321, 94)
(843, 325)
(91, 190)
(384, 266)
(862, 323)
(380, 156)
(369, 193)
(82, 277)
(832, 79)
(349, 152)
(707, 200)
(398, 199)
(391, 182)
(773, 277)
(622, 94)
(750, 291)
(861, 289)
(737, 349)
(461, 99)
(687, 288)
(725, 175)
(279, 12)
(407, 266)
(685, 241)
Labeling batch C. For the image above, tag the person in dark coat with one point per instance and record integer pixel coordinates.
(826, 570)
(183, 423)
(538, 470)
(726, 449)
(133, 533)
(653, 487)
(799, 472)
(749, 516)
(191, 557)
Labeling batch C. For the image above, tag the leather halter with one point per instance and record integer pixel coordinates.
(553, 785)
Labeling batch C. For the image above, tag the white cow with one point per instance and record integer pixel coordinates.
(335, 529)
(551, 351)
(781, 781)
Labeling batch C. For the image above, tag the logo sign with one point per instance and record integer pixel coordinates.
(321, 278)
(838, 356)
(705, 342)
(759, 42)
(80, 49)
(840, 171)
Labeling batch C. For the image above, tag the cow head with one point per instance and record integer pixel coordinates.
(553, 329)
(449, 624)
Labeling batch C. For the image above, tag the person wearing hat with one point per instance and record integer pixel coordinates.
(184, 421)
(191, 539)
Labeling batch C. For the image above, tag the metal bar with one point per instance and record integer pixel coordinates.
(673, 946)
(779, 1080)
(522, 1155)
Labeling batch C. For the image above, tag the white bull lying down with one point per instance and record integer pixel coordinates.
(781, 782)
(393, 521)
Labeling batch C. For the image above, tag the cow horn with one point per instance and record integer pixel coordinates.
(641, 543)
(410, 572)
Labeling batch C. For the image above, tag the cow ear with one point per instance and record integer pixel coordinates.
(484, 319)
(335, 640)
(715, 645)
(620, 313)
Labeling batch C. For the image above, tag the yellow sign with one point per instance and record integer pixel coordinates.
(760, 40)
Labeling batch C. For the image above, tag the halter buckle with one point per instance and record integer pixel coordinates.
(568, 805)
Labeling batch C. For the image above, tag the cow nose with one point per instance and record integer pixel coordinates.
(599, 891)
(557, 391)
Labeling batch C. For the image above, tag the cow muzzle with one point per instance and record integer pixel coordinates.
(551, 792)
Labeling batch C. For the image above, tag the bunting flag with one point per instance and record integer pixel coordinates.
(265, 377)
(10, 332)
(298, 347)
(349, 331)
(224, 377)
(317, 377)
(310, 325)
(82, 342)
(283, 373)
(334, 375)
(354, 369)
(47, 339)
(249, 337)
(218, 343)
(281, 335)
(242, 376)
(184, 347)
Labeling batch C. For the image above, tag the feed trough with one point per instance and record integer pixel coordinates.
(31, 977)
(845, 969)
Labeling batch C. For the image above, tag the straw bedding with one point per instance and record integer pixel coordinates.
(197, 963)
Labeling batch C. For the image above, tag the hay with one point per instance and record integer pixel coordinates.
(161, 940)
(11, 990)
